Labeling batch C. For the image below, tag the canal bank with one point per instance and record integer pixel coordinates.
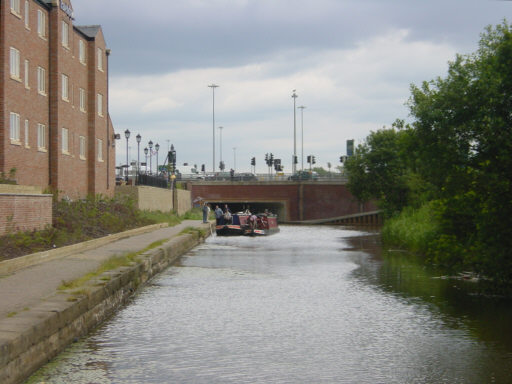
(41, 312)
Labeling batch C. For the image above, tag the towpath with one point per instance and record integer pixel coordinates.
(24, 288)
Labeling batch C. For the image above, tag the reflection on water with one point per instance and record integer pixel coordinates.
(308, 305)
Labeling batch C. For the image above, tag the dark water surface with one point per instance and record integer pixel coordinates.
(308, 305)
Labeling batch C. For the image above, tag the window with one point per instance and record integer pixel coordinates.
(15, 63)
(100, 104)
(15, 127)
(100, 59)
(41, 23)
(27, 13)
(65, 34)
(82, 99)
(65, 140)
(82, 147)
(15, 7)
(81, 51)
(26, 74)
(41, 81)
(41, 136)
(65, 87)
(100, 149)
(26, 134)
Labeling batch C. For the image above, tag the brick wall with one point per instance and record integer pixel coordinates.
(299, 201)
(24, 212)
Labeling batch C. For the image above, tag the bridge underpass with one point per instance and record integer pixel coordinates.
(291, 201)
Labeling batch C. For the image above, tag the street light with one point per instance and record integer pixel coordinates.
(157, 147)
(127, 135)
(138, 138)
(234, 157)
(220, 141)
(146, 153)
(213, 86)
(302, 129)
(294, 167)
(150, 145)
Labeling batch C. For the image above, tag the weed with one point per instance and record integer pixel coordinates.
(11, 314)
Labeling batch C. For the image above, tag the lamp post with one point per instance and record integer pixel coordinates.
(302, 139)
(146, 153)
(127, 135)
(157, 147)
(220, 142)
(294, 166)
(213, 86)
(234, 158)
(150, 145)
(138, 138)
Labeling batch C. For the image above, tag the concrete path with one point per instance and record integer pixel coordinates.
(29, 286)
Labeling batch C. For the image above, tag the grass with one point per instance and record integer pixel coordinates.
(413, 229)
(198, 232)
(83, 220)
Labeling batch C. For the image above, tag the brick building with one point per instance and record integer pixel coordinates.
(54, 123)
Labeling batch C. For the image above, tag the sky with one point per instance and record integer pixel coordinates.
(351, 62)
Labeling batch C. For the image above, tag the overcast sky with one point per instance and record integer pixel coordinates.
(351, 63)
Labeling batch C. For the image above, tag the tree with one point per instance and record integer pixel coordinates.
(378, 169)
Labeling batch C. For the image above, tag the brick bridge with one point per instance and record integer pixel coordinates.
(306, 201)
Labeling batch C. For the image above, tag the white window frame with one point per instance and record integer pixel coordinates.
(27, 15)
(26, 134)
(65, 141)
(41, 81)
(41, 136)
(99, 149)
(41, 24)
(65, 34)
(81, 141)
(26, 75)
(100, 104)
(82, 99)
(15, 127)
(65, 87)
(100, 59)
(81, 51)
(15, 7)
(14, 64)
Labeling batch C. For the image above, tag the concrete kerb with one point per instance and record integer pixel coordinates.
(13, 265)
(33, 337)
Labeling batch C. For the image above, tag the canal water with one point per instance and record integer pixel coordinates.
(307, 305)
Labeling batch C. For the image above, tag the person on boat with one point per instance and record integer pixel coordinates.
(253, 221)
(219, 215)
(227, 215)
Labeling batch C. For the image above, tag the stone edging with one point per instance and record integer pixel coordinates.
(13, 265)
(39, 334)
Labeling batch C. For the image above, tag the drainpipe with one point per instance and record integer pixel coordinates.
(107, 52)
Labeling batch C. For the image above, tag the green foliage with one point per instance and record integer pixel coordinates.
(456, 154)
(193, 214)
(10, 178)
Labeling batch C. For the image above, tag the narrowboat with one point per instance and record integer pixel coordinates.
(235, 226)
(262, 225)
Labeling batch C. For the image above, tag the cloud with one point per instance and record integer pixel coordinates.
(347, 93)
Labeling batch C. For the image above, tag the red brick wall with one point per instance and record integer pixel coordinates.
(66, 172)
(319, 201)
(24, 212)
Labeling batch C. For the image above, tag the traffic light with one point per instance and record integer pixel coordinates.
(277, 165)
(309, 159)
(253, 161)
(202, 167)
(295, 159)
(341, 159)
(313, 161)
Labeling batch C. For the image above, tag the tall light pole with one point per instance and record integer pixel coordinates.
(138, 137)
(127, 135)
(146, 153)
(213, 86)
(157, 147)
(220, 142)
(294, 166)
(234, 158)
(302, 140)
(150, 145)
